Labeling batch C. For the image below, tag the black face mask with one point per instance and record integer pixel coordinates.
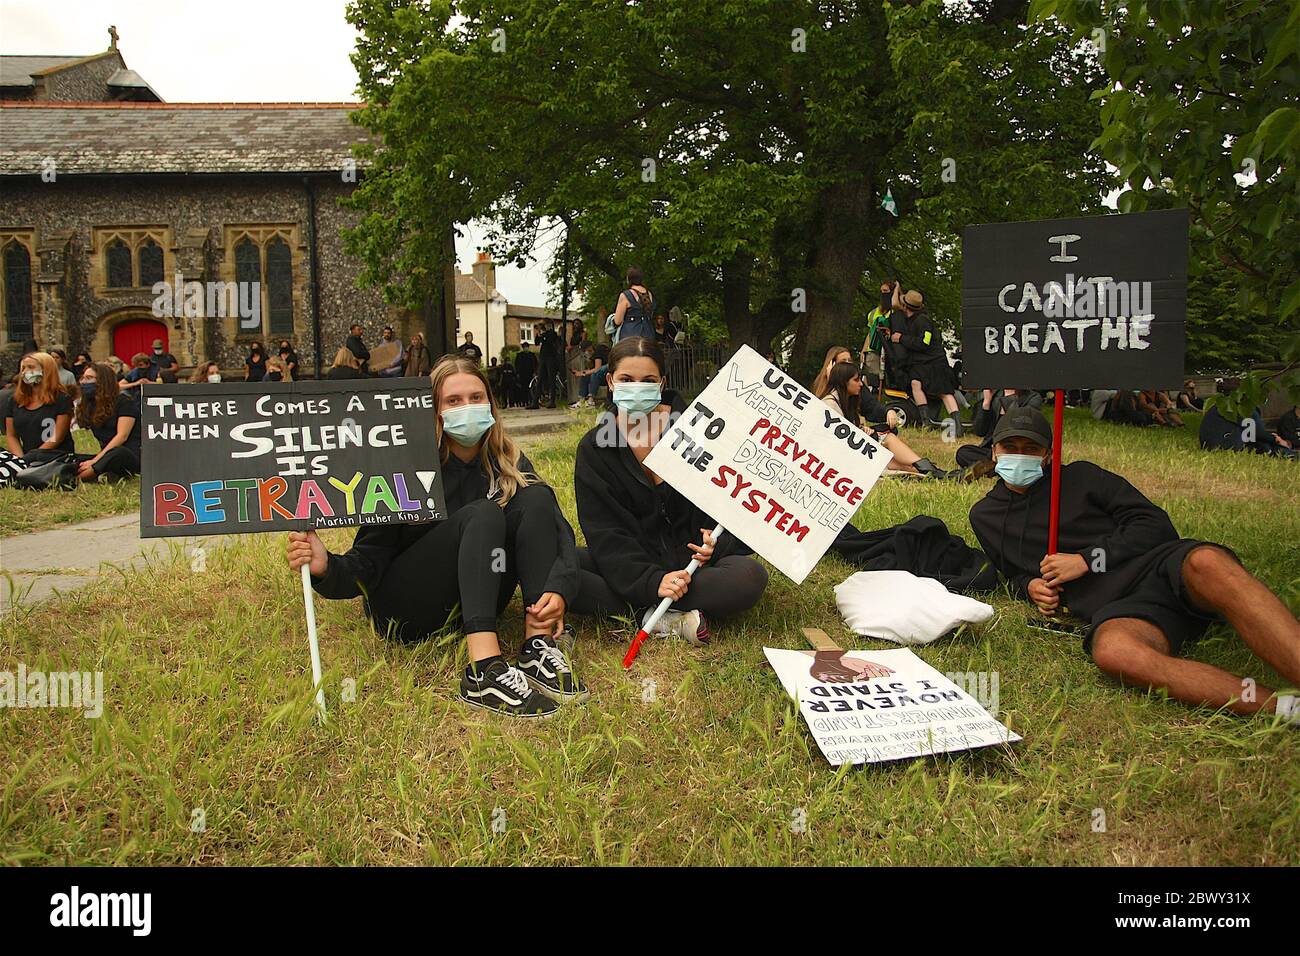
(886, 301)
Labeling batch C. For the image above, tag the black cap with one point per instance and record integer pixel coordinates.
(1024, 423)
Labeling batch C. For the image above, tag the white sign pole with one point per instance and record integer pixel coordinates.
(311, 640)
(653, 619)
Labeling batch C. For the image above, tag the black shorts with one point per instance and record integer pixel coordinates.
(1161, 598)
(935, 376)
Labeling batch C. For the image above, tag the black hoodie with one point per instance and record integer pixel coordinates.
(375, 546)
(1099, 510)
(637, 531)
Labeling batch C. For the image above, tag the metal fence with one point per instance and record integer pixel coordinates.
(690, 369)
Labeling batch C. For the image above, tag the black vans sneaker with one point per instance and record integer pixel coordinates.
(503, 688)
(548, 670)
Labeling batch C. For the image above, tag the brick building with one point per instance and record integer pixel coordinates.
(499, 323)
(124, 219)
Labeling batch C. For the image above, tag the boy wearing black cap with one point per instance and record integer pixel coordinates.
(1121, 566)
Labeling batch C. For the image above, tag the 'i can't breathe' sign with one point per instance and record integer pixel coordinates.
(252, 457)
(1098, 302)
(770, 462)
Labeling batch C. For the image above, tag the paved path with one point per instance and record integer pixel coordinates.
(66, 558)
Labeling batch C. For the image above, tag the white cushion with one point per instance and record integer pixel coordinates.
(898, 606)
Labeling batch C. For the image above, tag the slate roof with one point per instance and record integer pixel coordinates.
(17, 70)
(133, 138)
(468, 289)
(535, 312)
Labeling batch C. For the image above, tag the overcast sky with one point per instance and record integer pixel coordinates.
(231, 51)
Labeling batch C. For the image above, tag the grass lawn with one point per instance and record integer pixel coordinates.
(208, 719)
(24, 511)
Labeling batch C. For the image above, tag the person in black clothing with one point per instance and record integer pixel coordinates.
(290, 359)
(164, 362)
(550, 348)
(114, 419)
(1217, 433)
(1146, 593)
(525, 372)
(470, 350)
(356, 346)
(927, 363)
(665, 331)
(38, 415)
(1288, 427)
(987, 415)
(255, 363)
(503, 530)
(640, 531)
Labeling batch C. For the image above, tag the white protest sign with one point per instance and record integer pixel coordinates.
(878, 706)
(770, 462)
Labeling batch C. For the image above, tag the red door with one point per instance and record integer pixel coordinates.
(137, 335)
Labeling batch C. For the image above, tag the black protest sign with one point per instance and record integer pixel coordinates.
(1098, 302)
(253, 457)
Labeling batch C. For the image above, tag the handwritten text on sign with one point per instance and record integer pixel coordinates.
(1097, 302)
(773, 464)
(243, 458)
(877, 706)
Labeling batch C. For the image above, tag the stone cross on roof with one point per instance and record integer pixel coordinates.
(112, 38)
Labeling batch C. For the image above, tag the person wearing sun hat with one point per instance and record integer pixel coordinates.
(1146, 594)
(932, 376)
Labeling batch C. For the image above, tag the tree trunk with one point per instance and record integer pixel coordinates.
(737, 274)
(843, 234)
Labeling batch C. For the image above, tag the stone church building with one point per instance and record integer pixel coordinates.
(108, 195)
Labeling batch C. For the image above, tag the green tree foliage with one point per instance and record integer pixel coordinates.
(737, 150)
(1202, 111)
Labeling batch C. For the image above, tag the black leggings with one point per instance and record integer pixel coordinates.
(721, 588)
(116, 464)
(495, 549)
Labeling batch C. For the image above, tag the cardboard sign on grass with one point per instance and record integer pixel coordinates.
(878, 706)
(1094, 302)
(287, 456)
(770, 462)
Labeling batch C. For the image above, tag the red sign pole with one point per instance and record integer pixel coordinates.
(1054, 519)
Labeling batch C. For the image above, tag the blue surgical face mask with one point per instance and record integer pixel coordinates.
(466, 424)
(88, 389)
(1019, 470)
(638, 396)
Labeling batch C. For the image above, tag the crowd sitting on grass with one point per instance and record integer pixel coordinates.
(1144, 593)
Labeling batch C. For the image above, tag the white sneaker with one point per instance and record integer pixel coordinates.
(693, 628)
(1288, 708)
(668, 625)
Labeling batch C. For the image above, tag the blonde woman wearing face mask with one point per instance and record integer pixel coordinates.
(503, 530)
(38, 419)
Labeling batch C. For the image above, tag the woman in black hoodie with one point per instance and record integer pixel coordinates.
(503, 530)
(640, 531)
